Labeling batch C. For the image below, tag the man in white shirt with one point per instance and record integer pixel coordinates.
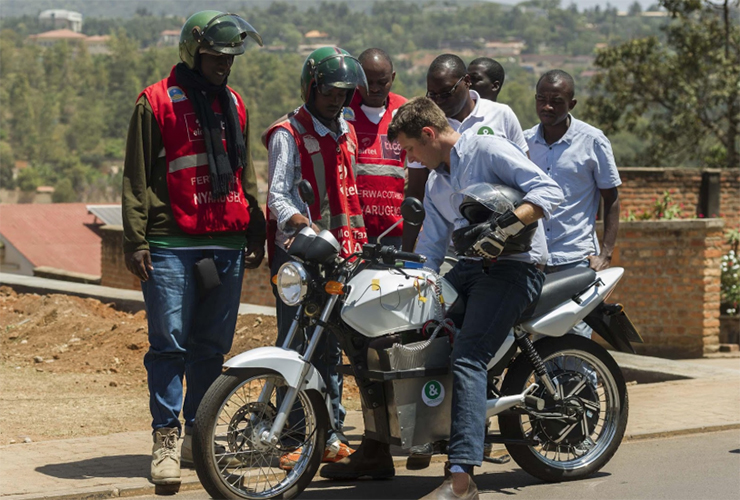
(486, 77)
(448, 85)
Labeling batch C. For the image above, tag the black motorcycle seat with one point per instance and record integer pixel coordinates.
(559, 287)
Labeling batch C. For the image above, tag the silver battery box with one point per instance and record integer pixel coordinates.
(418, 390)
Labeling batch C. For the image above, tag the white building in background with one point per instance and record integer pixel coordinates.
(62, 19)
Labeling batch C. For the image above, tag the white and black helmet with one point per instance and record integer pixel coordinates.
(484, 202)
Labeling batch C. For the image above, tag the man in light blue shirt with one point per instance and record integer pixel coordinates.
(502, 285)
(579, 158)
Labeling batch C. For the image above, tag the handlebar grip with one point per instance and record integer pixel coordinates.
(410, 256)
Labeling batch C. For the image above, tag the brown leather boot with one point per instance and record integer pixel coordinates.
(372, 459)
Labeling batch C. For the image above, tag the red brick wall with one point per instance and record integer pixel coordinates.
(670, 289)
(642, 186)
(113, 270)
(255, 289)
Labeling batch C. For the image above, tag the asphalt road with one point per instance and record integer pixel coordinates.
(696, 467)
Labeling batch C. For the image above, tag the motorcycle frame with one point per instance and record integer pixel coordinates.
(299, 373)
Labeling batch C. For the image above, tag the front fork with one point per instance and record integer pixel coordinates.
(272, 436)
(525, 344)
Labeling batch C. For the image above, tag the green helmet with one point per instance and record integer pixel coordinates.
(333, 67)
(216, 31)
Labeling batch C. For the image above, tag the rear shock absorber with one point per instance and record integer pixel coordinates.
(525, 344)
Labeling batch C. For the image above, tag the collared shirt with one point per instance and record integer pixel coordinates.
(582, 163)
(482, 158)
(489, 118)
(284, 161)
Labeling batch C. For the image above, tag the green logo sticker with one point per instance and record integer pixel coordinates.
(485, 131)
(433, 393)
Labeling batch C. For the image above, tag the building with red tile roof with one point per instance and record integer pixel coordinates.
(61, 236)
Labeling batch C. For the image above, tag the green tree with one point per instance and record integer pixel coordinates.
(688, 86)
(635, 9)
(7, 162)
(64, 192)
(28, 179)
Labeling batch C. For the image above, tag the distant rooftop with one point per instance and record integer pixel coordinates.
(316, 34)
(107, 214)
(63, 34)
(58, 235)
(70, 15)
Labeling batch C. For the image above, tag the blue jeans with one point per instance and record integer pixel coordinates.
(581, 328)
(327, 356)
(495, 298)
(188, 335)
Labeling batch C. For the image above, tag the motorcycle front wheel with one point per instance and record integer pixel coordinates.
(231, 459)
(578, 434)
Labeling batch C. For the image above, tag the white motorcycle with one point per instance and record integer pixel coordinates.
(562, 406)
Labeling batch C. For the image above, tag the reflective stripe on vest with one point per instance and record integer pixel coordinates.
(191, 161)
(380, 170)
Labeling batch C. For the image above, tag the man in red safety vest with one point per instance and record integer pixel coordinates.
(380, 163)
(316, 144)
(191, 225)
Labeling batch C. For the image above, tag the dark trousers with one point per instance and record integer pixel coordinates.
(495, 298)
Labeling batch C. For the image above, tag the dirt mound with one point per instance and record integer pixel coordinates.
(51, 342)
(62, 333)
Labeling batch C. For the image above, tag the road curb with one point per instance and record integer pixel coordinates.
(681, 432)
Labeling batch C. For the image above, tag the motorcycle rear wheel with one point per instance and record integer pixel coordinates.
(230, 459)
(596, 397)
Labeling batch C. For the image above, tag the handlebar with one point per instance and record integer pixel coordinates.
(389, 253)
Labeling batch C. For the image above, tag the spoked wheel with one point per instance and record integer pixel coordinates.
(579, 433)
(231, 456)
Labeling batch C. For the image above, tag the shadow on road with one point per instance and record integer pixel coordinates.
(113, 466)
(507, 482)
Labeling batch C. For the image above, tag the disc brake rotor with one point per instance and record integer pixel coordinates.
(572, 409)
(247, 425)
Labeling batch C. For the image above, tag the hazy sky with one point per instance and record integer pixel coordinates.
(582, 4)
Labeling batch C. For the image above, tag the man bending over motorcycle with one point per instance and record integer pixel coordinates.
(493, 275)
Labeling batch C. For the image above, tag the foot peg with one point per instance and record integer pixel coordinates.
(503, 459)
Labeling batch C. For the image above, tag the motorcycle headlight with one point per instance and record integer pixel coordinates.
(292, 283)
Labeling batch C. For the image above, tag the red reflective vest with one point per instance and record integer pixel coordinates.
(188, 178)
(328, 165)
(380, 167)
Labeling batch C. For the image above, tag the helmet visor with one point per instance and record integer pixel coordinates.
(227, 33)
(340, 71)
(490, 196)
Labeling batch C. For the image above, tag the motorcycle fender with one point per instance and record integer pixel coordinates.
(614, 327)
(289, 364)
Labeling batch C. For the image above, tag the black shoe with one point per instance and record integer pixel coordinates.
(420, 456)
(372, 459)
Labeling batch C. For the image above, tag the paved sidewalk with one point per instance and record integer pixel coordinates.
(118, 464)
(124, 300)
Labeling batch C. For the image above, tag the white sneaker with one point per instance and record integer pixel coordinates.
(165, 459)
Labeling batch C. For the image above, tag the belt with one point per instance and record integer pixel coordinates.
(488, 262)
